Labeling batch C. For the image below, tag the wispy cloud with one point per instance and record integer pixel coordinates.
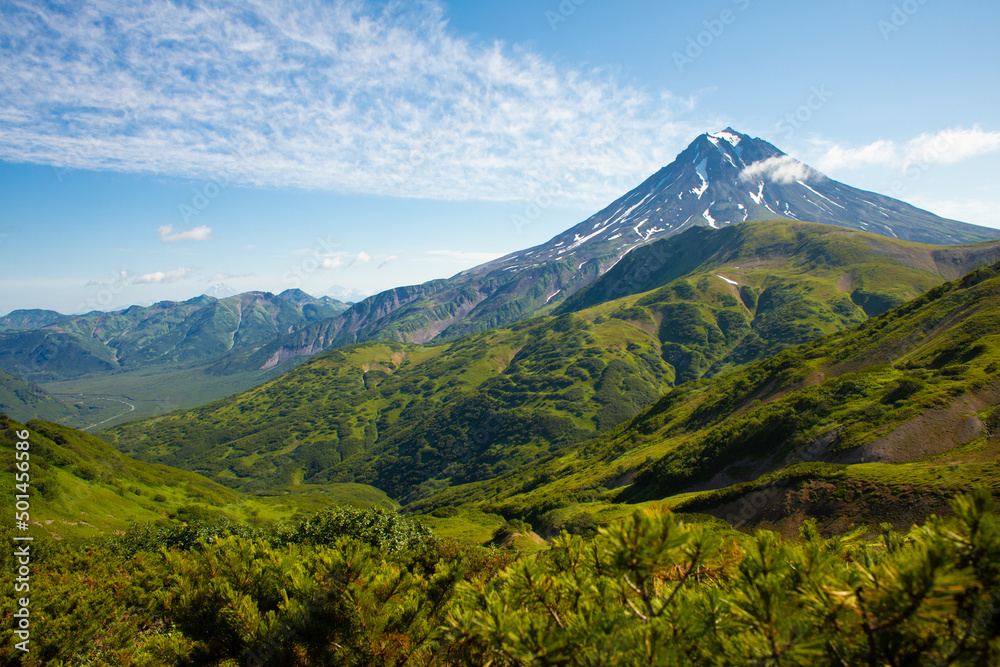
(361, 258)
(390, 258)
(340, 95)
(124, 278)
(337, 260)
(200, 233)
(944, 147)
(984, 212)
(782, 168)
(161, 276)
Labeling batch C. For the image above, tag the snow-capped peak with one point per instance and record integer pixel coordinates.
(220, 291)
(724, 178)
(729, 135)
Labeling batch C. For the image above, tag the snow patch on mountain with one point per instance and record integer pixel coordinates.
(708, 216)
(820, 194)
(700, 169)
(727, 135)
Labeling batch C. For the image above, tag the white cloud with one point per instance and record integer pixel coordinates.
(161, 276)
(952, 145)
(981, 211)
(782, 168)
(361, 258)
(337, 260)
(837, 157)
(340, 95)
(390, 258)
(200, 233)
(944, 147)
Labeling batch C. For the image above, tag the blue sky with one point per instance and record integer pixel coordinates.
(149, 150)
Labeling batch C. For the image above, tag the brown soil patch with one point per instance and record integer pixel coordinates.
(934, 432)
(835, 507)
(845, 283)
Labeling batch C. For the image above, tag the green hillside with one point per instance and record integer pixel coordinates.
(884, 422)
(29, 319)
(82, 487)
(395, 415)
(23, 401)
(776, 284)
(413, 420)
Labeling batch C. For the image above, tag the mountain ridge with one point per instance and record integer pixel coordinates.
(165, 332)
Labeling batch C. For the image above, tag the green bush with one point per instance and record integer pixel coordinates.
(382, 529)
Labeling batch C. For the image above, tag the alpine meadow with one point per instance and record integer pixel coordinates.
(317, 353)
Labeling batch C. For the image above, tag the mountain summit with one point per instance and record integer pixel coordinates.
(728, 177)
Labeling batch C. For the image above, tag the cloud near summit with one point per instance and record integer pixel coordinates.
(781, 168)
(338, 95)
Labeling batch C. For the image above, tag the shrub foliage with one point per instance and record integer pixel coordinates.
(360, 588)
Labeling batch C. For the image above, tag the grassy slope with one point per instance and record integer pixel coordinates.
(414, 419)
(795, 282)
(82, 487)
(23, 400)
(883, 422)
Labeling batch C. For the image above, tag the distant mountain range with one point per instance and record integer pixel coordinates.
(45, 346)
(346, 294)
